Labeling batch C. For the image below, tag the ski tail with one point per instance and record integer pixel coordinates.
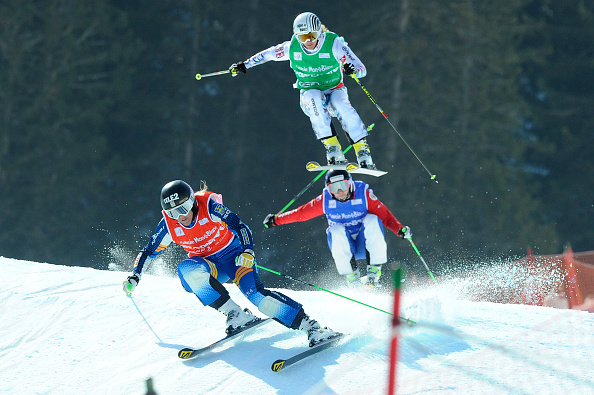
(189, 353)
(280, 364)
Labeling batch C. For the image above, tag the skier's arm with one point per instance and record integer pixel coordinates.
(275, 53)
(344, 55)
(219, 212)
(375, 206)
(157, 243)
(310, 210)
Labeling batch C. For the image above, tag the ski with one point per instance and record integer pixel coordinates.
(349, 166)
(189, 353)
(280, 364)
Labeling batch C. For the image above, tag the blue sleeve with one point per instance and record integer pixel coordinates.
(235, 224)
(154, 248)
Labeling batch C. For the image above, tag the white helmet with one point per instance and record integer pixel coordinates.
(306, 23)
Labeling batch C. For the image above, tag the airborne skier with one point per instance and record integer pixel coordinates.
(318, 58)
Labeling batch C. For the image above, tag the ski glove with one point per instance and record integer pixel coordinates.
(246, 259)
(235, 68)
(270, 221)
(131, 283)
(348, 68)
(405, 232)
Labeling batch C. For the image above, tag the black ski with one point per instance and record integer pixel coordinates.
(283, 363)
(189, 353)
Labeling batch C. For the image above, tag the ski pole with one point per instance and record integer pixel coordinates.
(333, 293)
(200, 76)
(308, 186)
(433, 176)
(422, 260)
(316, 178)
(143, 317)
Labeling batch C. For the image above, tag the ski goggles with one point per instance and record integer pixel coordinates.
(182, 209)
(311, 36)
(336, 186)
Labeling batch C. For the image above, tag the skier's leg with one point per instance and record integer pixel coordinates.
(359, 259)
(273, 304)
(201, 277)
(375, 243)
(353, 125)
(349, 118)
(343, 248)
(313, 104)
(281, 308)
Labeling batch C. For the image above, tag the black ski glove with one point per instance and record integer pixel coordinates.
(235, 68)
(348, 68)
(270, 221)
(405, 232)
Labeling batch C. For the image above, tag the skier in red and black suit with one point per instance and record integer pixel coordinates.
(220, 248)
(356, 220)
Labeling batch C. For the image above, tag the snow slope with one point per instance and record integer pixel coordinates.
(67, 330)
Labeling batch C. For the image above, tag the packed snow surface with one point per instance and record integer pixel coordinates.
(72, 330)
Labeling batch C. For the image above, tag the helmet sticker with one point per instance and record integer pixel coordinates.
(171, 199)
(339, 177)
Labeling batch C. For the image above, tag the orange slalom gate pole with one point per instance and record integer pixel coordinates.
(395, 333)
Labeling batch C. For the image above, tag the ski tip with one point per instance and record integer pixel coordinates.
(315, 166)
(278, 365)
(185, 353)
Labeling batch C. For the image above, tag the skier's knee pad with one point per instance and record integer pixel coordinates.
(279, 307)
(270, 306)
(194, 279)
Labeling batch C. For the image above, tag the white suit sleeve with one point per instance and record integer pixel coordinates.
(344, 54)
(275, 53)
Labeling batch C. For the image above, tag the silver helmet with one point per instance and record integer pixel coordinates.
(306, 24)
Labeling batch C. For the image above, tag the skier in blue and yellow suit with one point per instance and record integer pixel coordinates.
(220, 248)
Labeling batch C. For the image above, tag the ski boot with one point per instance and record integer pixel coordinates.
(373, 275)
(334, 153)
(363, 154)
(314, 331)
(353, 280)
(237, 318)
